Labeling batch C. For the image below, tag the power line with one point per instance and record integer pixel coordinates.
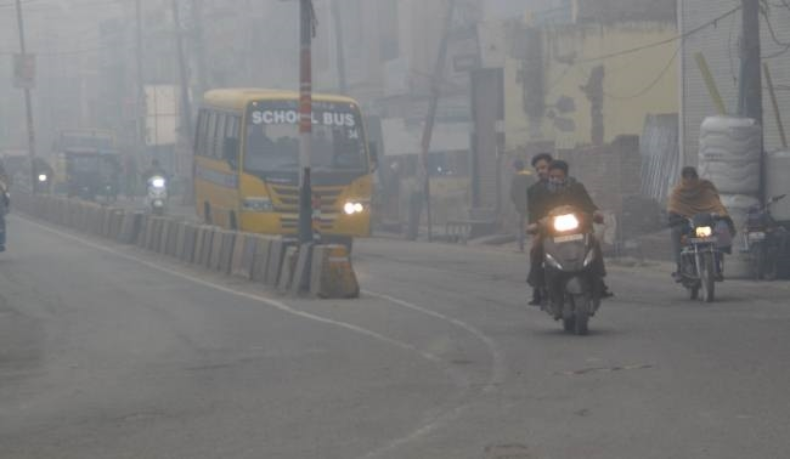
(652, 85)
(666, 41)
(774, 37)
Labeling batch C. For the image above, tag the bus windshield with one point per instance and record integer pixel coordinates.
(272, 143)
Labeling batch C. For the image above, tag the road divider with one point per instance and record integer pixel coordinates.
(323, 271)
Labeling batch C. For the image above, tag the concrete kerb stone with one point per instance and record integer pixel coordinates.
(332, 275)
(145, 222)
(106, 221)
(259, 258)
(242, 262)
(215, 256)
(302, 271)
(164, 235)
(174, 246)
(116, 223)
(287, 269)
(227, 246)
(130, 227)
(206, 246)
(186, 244)
(277, 250)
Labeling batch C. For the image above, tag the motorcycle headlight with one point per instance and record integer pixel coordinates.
(565, 223)
(704, 231)
(158, 182)
(351, 208)
(42, 177)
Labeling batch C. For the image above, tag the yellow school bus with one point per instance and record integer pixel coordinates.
(247, 164)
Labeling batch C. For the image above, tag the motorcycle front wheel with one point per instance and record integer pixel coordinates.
(581, 315)
(708, 278)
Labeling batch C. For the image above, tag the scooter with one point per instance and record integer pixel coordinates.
(157, 194)
(573, 289)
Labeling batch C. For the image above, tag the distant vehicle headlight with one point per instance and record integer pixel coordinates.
(42, 177)
(158, 182)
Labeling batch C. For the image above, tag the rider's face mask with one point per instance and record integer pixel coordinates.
(557, 183)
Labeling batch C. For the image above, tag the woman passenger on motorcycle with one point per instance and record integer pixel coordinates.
(692, 196)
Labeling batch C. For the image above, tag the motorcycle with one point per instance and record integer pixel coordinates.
(43, 182)
(702, 257)
(157, 194)
(764, 240)
(573, 290)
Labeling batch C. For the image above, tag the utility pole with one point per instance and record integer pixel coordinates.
(31, 132)
(430, 119)
(307, 31)
(140, 112)
(750, 97)
(199, 46)
(185, 125)
(337, 18)
(183, 73)
(751, 91)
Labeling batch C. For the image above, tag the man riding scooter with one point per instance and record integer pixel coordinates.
(563, 190)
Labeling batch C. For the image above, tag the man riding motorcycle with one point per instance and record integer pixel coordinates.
(692, 196)
(563, 190)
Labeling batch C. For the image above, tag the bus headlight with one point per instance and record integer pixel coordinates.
(565, 223)
(352, 208)
(704, 231)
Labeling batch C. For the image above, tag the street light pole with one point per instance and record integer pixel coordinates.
(31, 133)
(140, 111)
(307, 30)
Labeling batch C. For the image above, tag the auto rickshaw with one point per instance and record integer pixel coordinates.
(90, 174)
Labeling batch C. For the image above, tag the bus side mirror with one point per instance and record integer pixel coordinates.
(230, 151)
(373, 150)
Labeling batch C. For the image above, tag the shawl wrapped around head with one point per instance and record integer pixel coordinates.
(697, 197)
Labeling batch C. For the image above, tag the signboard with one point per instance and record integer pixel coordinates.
(24, 71)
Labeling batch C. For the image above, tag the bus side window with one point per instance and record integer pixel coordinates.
(230, 144)
(208, 140)
(219, 136)
(200, 135)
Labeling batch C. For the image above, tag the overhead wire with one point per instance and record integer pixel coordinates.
(652, 84)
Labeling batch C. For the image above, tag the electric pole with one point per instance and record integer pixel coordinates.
(750, 97)
(337, 18)
(430, 119)
(31, 132)
(140, 111)
(183, 73)
(199, 46)
(307, 31)
(751, 91)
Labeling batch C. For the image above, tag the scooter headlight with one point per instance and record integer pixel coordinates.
(158, 182)
(42, 177)
(704, 231)
(565, 223)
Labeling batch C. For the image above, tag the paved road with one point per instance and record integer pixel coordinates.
(106, 351)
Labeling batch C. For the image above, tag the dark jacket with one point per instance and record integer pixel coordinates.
(537, 200)
(574, 194)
